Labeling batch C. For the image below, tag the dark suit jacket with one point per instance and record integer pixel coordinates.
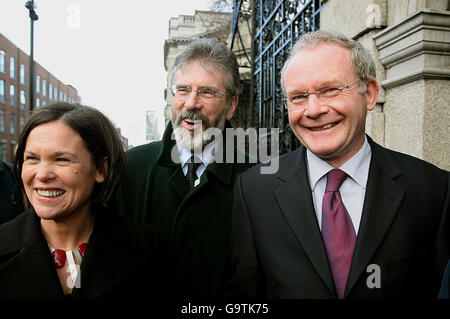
(277, 247)
(193, 224)
(120, 260)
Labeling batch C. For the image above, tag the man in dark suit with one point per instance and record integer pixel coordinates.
(10, 195)
(183, 184)
(343, 217)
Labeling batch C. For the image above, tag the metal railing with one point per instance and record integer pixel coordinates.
(276, 25)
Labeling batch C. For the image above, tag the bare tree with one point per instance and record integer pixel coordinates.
(217, 22)
(221, 5)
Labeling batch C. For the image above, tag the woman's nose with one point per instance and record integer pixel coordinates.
(45, 172)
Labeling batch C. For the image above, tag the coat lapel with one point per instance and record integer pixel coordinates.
(110, 258)
(30, 273)
(169, 158)
(382, 201)
(178, 182)
(296, 203)
(221, 171)
(37, 275)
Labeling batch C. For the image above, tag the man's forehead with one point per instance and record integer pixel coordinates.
(200, 70)
(201, 64)
(324, 46)
(324, 53)
(324, 60)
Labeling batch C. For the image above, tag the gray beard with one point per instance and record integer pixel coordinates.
(199, 138)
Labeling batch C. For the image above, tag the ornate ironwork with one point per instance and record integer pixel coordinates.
(240, 44)
(277, 24)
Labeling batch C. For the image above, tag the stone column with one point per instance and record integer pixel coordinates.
(410, 43)
(415, 52)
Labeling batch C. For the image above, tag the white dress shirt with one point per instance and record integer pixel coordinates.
(207, 157)
(353, 189)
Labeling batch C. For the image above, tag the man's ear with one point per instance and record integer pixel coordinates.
(232, 107)
(371, 94)
(102, 171)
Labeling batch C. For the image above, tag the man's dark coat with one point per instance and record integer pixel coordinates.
(194, 224)
(402, 245)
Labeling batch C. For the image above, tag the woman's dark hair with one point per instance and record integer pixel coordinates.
(99, 136)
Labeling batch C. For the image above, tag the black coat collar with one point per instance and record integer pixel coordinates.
(26, 266)
(115, 250)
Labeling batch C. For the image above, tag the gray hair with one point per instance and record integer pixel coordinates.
(360, 57)
(214, 52)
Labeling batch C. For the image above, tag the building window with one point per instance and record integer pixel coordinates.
(2, 61)
(38, 102)
(60, 96)
(38, 84)
(2, 121)
(50, 91)
(23, 100)
(22, 74)
(55, 95)
(2, 91)
(44, 87)
(12, 67)
(12, 95)
(13, 124)
(22, 120)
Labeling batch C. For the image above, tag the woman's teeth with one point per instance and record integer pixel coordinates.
(47, 193)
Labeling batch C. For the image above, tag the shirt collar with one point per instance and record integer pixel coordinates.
(356, 167)
(206, 156)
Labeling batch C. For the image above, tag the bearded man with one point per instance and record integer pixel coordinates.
(183, 184)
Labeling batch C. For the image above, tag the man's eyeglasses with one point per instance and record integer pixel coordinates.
(299, 101)
(181, 93)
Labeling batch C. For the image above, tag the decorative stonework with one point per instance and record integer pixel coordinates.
(418, 47)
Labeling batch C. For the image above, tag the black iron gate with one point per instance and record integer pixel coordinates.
(276, 25)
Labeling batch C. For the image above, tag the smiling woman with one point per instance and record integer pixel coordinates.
(69, 161)
(58, 172)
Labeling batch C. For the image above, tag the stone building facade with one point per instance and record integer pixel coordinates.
(410, 43)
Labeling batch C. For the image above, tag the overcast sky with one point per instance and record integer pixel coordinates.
(110, 51)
